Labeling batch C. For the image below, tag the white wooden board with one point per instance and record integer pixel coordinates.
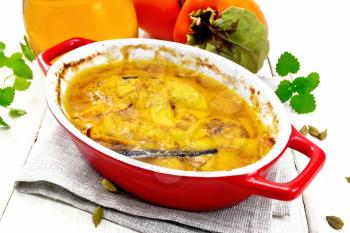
(315, 31)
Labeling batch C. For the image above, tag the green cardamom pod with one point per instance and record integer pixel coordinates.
(335, 222)
(313, 131)
(348, 179)
(322, 136)
(304, 130)
(109, 186)
(97, 216)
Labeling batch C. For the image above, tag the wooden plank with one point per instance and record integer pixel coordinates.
(28, 213)
(315, 32)
(51, 216)
(296, 222)
(16, 142)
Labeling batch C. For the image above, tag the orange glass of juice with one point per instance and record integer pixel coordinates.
(49, 22)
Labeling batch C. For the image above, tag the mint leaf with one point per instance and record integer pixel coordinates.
(27, 51)
(15, 112)
(314, 80)
(19, 66)
(2, 55)
(303, 103)
(235, 34)
(306, 85)
(3, 123)
(284, 90)
(287, 64)
(21, 84)
(6, 96)
(2, 46)
(301, 85)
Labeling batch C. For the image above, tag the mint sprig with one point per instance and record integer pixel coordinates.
(296, 91)
(18, 80)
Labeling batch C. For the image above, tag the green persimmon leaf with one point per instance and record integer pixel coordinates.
(15, 112)
(287, 64)
(303, 103)
(236, 34)
(7, 95)
(21, 84)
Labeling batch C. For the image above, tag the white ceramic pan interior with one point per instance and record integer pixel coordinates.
(254, 91)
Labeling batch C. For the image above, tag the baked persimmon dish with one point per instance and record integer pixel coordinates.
(166, 115)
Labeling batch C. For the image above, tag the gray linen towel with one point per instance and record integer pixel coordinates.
(55, 169)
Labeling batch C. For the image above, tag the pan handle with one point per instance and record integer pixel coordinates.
(291, 190)
(45, 58)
